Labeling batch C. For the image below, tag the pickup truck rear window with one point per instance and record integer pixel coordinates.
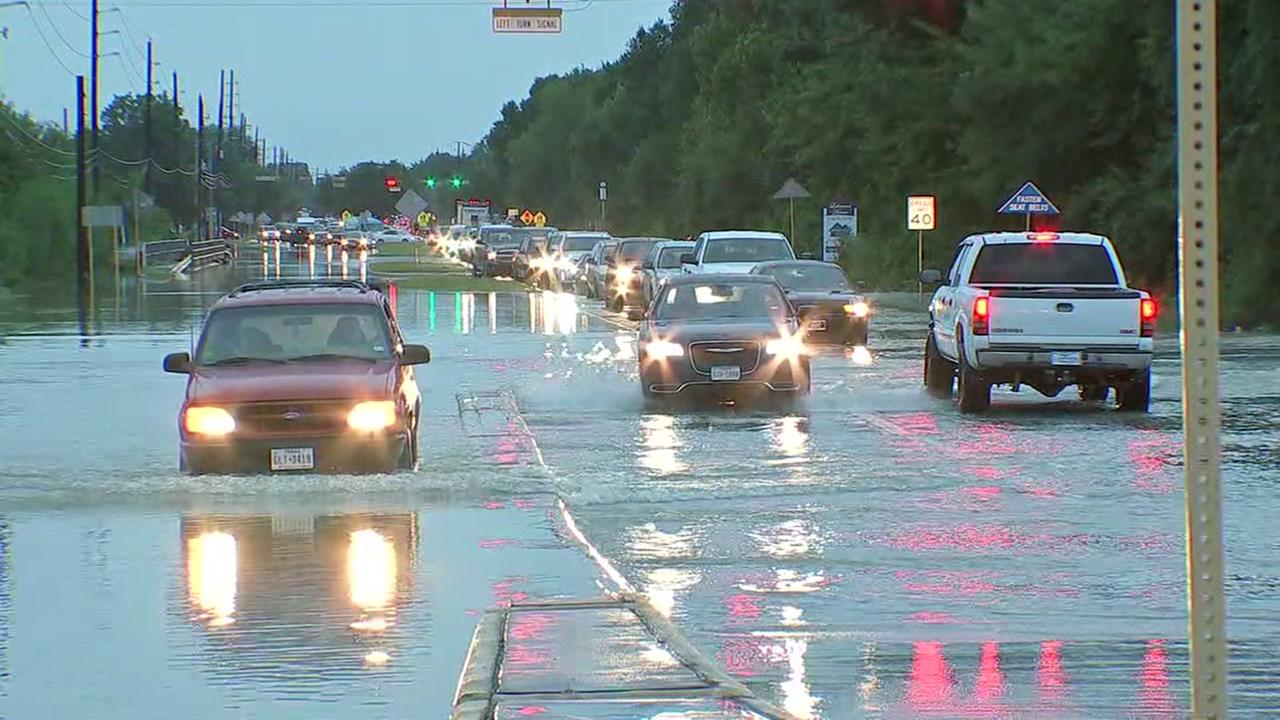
(1043, 264)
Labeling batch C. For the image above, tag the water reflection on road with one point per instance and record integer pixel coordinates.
(869, 553)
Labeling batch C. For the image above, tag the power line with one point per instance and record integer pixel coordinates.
(58, 32)
(128, 28)
(48, 45)
(73, 11)
(347, 3)
(44, 144)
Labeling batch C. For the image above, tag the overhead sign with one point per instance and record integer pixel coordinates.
(526, 217)
(102, 216)
(539, 219)
(839, 224)
(338, 182)
(1029, 200)
(527, 20)
(513, 213)
(922, 212)
(411, 204)
(266, 178)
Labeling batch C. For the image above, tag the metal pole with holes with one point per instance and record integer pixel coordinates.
(1201, 420)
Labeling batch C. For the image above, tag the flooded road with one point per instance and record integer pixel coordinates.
(869, 554)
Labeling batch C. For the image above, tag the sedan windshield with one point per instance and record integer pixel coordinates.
(813, 278)
(723, 301)
(747, 250)
(293, 333)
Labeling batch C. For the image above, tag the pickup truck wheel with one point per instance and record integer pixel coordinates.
(409, 457)
(1094, 393)
(939, 373)
(975, 393)
(1136, 396)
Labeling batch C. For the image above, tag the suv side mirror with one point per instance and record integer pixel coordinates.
(179, 363)
(688, 259)
(647, 265)
(931, 277)
(415, 355)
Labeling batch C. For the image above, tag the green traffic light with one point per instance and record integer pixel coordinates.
(431, 182)
(456, 182)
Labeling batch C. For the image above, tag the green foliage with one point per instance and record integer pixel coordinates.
(702, 118)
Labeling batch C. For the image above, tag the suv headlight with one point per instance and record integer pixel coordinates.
(370, 416)
(663, 349)
(788, 346)
(858, 309)
(211, 421)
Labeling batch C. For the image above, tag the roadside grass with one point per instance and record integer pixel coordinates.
(441, 282)
(433, 266)
(395, 249)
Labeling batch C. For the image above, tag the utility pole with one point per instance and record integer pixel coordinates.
(231, 104)
(93, 83)
(82, 236)
(150, 153)
(200, 170)
(66, 129)
(222, 94)
(175, 94)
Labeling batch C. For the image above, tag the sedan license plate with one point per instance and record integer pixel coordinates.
(293, 458)
(1071, 358)
(817, 325)
(726, 373)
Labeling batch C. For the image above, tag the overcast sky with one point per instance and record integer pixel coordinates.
(334, 81)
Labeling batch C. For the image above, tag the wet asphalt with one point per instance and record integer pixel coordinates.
(869, 553)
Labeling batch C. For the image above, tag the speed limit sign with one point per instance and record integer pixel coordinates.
(922, 212)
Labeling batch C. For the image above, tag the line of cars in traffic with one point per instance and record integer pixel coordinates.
(334, 233)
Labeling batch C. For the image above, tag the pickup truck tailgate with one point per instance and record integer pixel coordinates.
(1062, 316)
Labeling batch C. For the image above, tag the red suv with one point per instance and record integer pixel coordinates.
(300, 375)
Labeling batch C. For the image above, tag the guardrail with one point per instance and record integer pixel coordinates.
(180, 255)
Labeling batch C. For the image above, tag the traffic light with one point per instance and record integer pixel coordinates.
(393, 183)
(431, 183)
(456, 181)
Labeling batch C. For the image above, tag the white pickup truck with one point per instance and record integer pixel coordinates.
(1042, 309)
(734, 251)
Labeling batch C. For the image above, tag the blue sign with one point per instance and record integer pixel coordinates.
(1028, 201)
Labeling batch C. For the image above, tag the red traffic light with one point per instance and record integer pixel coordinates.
(392, 182)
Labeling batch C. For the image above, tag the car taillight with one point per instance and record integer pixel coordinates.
(981, 316)
(1148, 312)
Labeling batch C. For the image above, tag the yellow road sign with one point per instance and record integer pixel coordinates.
(424, 219)
(539, 219)
(346, 215)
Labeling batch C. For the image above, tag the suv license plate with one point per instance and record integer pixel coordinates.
(1066, 358)
(817, 325)
(293, 458)
(721, 373)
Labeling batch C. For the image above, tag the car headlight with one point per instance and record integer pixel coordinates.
(663, 349)
(858, 309)
(211, 421)
(492, 255)
(373, 415)
(623, 275)
(788, 346)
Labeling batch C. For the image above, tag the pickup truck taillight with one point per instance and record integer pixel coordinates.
(981, 316)
(1148, 312)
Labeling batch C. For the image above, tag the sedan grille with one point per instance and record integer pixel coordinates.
(705, 355)
(290, 418)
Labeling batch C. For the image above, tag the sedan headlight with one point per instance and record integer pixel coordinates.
(788, 346)
(663, 349)
(371, 416)
(858, 309)
(211, 421)
(624, 274)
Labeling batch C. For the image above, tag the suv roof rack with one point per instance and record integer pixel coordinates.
(326, 283)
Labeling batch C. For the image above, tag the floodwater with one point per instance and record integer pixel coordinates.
(870, 553)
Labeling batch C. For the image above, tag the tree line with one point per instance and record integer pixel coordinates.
(703, 117)
(38, 182)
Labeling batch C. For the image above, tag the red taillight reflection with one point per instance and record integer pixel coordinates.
(981, 316)
(1148, 310)
(1042, 237)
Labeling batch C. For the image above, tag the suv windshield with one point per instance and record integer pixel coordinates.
(499, 238)
(723, 300)
(1043, 264)
(633, 251)
(669, 257)
(580, 243)
(294, 333)
(808, 277)
(751, 250)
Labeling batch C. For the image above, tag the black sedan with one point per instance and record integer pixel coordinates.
(723, 335)
(829, 310)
